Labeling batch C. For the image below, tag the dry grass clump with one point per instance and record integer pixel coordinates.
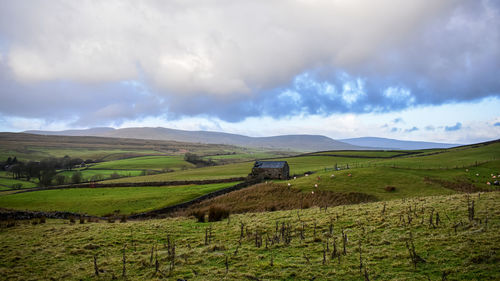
(217, 213)
(273, 197)
(390, 188)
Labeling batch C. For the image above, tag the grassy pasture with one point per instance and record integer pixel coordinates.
(244, 156)
(298, 165)
(7, 183)
(451, 250)
(89, 173)
(36, 153)
(456, 157)
(103, 201)
(363, 153)
(451, 158)
(372, 181)
(212, 172)
(145, 163)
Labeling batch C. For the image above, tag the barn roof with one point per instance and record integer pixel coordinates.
(270, 164)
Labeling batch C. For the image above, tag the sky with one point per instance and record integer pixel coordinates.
(413, 70)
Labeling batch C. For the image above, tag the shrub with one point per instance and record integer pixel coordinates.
(123, 218)
(115, 175)
(82, 220)
(42, 220)
(17, 185)
(390, 188)
(71, 219)
(216, 213)
(199, 215)
(76, 177)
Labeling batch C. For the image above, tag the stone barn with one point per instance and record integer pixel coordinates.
(271, 170)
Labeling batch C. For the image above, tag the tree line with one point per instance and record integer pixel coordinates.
(45, 170)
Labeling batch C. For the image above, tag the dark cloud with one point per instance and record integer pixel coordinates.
(455, 127)
(57, 62)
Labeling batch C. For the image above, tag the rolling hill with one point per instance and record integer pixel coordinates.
(284, 142)
(385, 143)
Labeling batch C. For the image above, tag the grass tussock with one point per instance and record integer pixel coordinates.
(273, 197)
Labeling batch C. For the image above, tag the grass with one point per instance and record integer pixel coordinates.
(8, 183)
(272, 197)
(212, 172)
(408, 182)
(363, 153)
(450, 158)
(36, 147)
(298, 165)
(87, 174)
(103, 201)
(455, 249)
(146, 162)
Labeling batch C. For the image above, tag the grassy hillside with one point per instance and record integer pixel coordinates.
(36, 147)
(432, 161)
(105, 201)
(146, 162)
(382, 241)
(89, 174)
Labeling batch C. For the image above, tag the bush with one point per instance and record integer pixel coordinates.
(390, 188)
(123, 219)
(115, 175)
(17, 185)
(76, 177)
(216, 213)
(199, 215)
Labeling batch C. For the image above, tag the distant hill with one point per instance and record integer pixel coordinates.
(284, 142)
(384, 143)
(79, 133)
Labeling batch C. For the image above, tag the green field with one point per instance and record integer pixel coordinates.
(212, 172)
(438, 160)
(145, 163)
(87, 174)
(450, 158)
(8, 183)
(105, 201)
(372, 181)
(310, 248)
(363, 153)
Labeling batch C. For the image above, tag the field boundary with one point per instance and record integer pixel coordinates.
(176, 207)
(132, 184)
(10, 214)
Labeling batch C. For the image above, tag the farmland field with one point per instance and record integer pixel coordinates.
(104, 201)
(146, 162)
(8, 183)
(87, 174)
(213, 172)
(302, 245)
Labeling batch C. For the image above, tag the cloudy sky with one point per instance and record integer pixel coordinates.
(415, 69)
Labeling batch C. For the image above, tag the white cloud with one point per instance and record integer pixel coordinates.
(211, 47)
